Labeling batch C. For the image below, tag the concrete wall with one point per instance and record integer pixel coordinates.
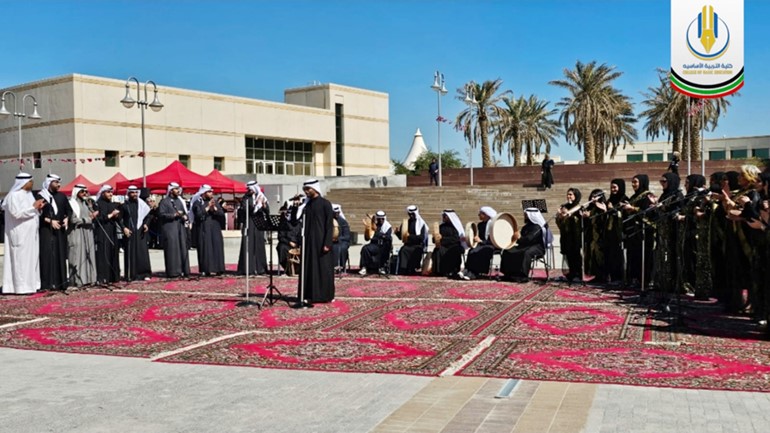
(82, 118)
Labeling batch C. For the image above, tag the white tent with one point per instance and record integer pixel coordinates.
(417, 149)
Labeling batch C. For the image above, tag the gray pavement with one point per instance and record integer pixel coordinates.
(56, 392)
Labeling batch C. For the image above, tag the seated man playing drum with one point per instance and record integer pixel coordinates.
(480, 256)
(515, 263)
(340, 238)
(288, 241)
(375, 254)
(414, 233)
(450, 245)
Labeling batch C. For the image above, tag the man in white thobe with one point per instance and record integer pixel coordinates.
(21, 263)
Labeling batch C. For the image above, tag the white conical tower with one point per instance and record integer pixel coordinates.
(417, 149)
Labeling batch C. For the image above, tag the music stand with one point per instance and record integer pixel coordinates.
(270, 223)
(538, 203)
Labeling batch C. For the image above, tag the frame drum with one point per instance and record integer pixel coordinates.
(404, 230)
(471, 231)
(503, 228)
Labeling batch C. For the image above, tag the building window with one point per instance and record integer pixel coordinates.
(185, 160)
(111, 158)
(275, 156)
(37, 159)
(654, 157)
(760, 153)
(219, 163)
(339, 119)
(717, 155)
(634, 157)
(739, 154)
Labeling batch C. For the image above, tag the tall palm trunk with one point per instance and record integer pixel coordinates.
(676, 140)
(530, 159)
(598, 152)
(486, 155)
(589, 150)
(695, 137)
(516, 151)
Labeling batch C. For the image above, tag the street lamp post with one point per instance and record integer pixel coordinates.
(439, 86)
(19, 114)
(155, 105)
(470, 99)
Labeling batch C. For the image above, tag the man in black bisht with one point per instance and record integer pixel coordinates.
(54, 219)
(288, 239)
(173, 216)
(209, 216)
(136, 220)
(375, 254)
(253, 239)
(342, 243)
(108, 225)
(316, 281)
(415, 238)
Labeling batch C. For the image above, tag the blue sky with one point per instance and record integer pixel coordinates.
(259, 48)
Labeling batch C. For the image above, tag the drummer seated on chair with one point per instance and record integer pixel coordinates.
(341, 245)
(415, 237)
(375, 254)
(288, 240)
(515, 263)
(480, 256)
(447, 256)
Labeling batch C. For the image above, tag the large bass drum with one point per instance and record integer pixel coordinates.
(503, 228)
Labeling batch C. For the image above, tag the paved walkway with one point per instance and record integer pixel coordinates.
(61, 393)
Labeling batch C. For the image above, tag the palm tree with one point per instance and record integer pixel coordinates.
(666, 112)
(476, 120)
(540, 128)
(709, 110)
(595, 113)
(525, 124)
(675, 113)
(510, 126)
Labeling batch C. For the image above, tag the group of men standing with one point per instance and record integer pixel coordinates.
(53, 243)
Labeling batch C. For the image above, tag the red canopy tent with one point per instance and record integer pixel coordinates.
(113, 181)
(175, 172)
(236, 187)
(80, 179)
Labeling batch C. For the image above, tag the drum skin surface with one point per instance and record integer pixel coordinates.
(504, 226)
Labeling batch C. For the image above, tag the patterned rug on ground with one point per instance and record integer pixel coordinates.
(570, 322)
(419, 355)
(101, 338)
(426, 317)
(280, 318)
(733, 368)
(411, 325)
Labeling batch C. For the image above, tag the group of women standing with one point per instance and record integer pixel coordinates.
(709, 240)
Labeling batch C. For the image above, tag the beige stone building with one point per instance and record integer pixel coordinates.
(322, 130)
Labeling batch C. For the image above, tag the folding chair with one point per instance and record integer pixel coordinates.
(547, 259)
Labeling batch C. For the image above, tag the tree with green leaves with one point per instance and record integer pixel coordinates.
(449, 159)
(674, 113)
(476, 120)
(596, 117)
(526, 124)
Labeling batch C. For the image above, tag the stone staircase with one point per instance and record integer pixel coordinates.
(465, 200)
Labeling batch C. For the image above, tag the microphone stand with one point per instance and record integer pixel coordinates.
(302, 277)
(269, 297)
(247, 302)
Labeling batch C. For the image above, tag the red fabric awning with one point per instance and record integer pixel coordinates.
(176, 172)
(80, 179)
(113, 182)
(236, 187)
